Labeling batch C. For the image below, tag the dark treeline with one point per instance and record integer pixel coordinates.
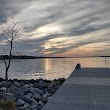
(34, 57)
(24, 57)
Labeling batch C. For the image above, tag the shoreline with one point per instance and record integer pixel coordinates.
(6, 57)
(29, 94)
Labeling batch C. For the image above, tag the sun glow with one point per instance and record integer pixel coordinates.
(46, 47)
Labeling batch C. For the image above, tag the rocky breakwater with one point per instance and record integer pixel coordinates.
(29, 94)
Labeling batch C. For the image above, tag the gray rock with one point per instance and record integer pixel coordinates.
(34, 102)
(34, 107)
(29, 94)
(8, 84)
(31, 84)
(28, 90)
(37, 97)
(42, 84)
(44, 100)
(16, 83)
(27, 99)
(39, 107)
(52, 84)
(38, 91)
(9, 96)
(14, 89)
(51, 90)
(3, 83)
(36, 85)
(47, 95)
(48, 98)
(18, 94)
(21, 108)
(0, 84)
(26, 86)
(22, 83)
(41, 103)
(27, 105)
(3, 89)
(20, 102)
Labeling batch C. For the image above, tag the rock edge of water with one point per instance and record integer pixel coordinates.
(29, 94)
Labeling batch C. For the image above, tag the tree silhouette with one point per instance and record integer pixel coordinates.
(9, 34)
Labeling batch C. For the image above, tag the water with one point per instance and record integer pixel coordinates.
(49, 68)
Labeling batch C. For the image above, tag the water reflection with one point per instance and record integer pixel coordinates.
(49, 68)
(48, 64)
(105, 60)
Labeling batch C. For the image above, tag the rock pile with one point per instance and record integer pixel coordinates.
(29, 94)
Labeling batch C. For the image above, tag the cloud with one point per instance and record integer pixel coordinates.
(80, 22)
(9, 8)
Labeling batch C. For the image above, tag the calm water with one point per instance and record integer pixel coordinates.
(49, 68)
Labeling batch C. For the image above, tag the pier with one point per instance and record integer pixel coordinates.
(85, 89)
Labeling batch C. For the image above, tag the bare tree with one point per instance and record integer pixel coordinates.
(9, 34)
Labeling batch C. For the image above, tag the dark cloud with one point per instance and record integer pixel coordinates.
(9, 8)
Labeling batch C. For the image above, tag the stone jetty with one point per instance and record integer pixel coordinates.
(29, 94)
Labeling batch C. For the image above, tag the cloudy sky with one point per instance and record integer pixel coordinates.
(57, 27)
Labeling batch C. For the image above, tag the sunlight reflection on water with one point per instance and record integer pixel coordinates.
(49, 68)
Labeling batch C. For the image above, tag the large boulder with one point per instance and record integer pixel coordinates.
(20, 102)
(38, 91)
(3, 89)
(27, 99)
(42, 84)
(14, 89)
(37, 96)
(18, 94)
(29, 94)
(28, 90)
(33, 102)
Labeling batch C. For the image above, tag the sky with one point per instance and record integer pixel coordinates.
(57, 27)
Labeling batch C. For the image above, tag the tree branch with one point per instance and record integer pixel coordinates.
(16, 33)
(5, 37)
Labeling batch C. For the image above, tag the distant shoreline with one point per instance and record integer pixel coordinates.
(40, 57)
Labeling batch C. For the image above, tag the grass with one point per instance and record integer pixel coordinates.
(7, 105)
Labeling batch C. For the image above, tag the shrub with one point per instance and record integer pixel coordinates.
(7, 105)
